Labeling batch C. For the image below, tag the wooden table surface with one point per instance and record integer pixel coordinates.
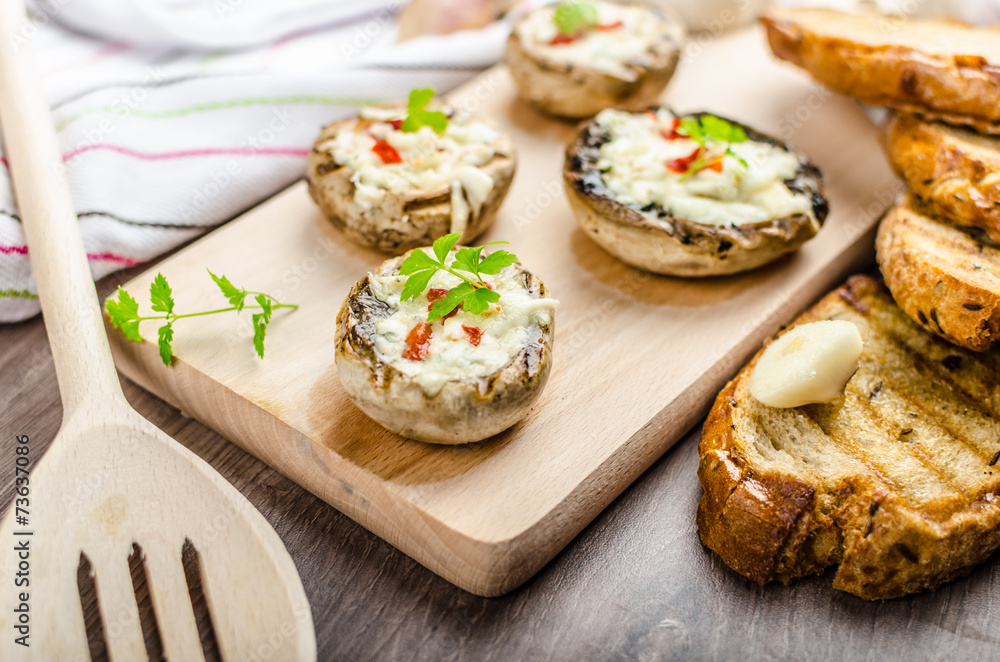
(636, 584)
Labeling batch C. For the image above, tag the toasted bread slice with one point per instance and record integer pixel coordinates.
(955, 172)
(940, 68)
(898, 482)
(944, 278)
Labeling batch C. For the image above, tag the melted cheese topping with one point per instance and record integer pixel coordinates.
(633, 165)
(431, 163)
(451, 355)
(607, 50)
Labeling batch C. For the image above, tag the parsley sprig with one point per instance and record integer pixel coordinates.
(472, 294)
(417, 114)
(573, 18)
(124, 312)
(711, 132)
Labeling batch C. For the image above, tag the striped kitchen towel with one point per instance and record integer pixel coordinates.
(175, 116)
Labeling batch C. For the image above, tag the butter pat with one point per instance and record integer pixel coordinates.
(810, 363)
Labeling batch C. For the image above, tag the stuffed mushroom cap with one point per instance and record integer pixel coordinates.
(393, 190)
(658, 200)
(624, 57)
(455, 380)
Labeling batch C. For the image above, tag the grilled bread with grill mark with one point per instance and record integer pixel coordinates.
(955, 172)
(944, 278)
(898, 482)
(938, 68)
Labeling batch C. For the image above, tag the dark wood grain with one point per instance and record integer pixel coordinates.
(635, 585)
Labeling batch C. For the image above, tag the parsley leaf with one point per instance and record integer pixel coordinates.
(416, 284)
(472, 294)
(260, 322)
(417, 114)
(467, 259)
(166, 335)
(575, 17)
(479, 300)
(449, 302)
(691, 128)
(420, 267)
(160, 295)
(494, 262)
(123, 312)
(721, 130)
(419, 99)
(710, 131)
(443, 245)
(236, 296)
(418, 260)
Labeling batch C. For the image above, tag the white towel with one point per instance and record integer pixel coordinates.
(176, 116)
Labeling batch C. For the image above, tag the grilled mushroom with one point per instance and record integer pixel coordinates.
(622, 55)
(394, 190)
(660, 201)
(454, 380)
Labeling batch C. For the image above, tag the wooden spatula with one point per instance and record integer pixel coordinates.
(111, 479)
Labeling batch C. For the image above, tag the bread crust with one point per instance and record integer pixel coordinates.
(771, 524)
(573, 91)
(944, 279)
(961, 89)
(756, 521)
(955, 172)
(403, 221)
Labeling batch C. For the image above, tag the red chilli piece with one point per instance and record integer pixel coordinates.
(396, 124)
(683, 164)
(418, 342)
(387, 153)
(715, 165)
(672, 134)
(563, 39)
(474, 333)
(436, 293)
(610, 26)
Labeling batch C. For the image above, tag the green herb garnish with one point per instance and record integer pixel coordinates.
(472, 294)
(417, 115)
(573, 18)
(711, 132)
(124, 312)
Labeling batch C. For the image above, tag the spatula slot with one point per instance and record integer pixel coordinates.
(192, 572)
(147, 616)
(87, 588)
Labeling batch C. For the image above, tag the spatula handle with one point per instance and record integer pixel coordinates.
(65, 285)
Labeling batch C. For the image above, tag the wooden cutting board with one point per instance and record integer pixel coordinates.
(638, 358)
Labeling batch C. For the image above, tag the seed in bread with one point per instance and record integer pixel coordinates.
(392, 189)
(940, 68)
(623, 55)
(945, 279)
(897, 484)
(657, 199)
(954, 171)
